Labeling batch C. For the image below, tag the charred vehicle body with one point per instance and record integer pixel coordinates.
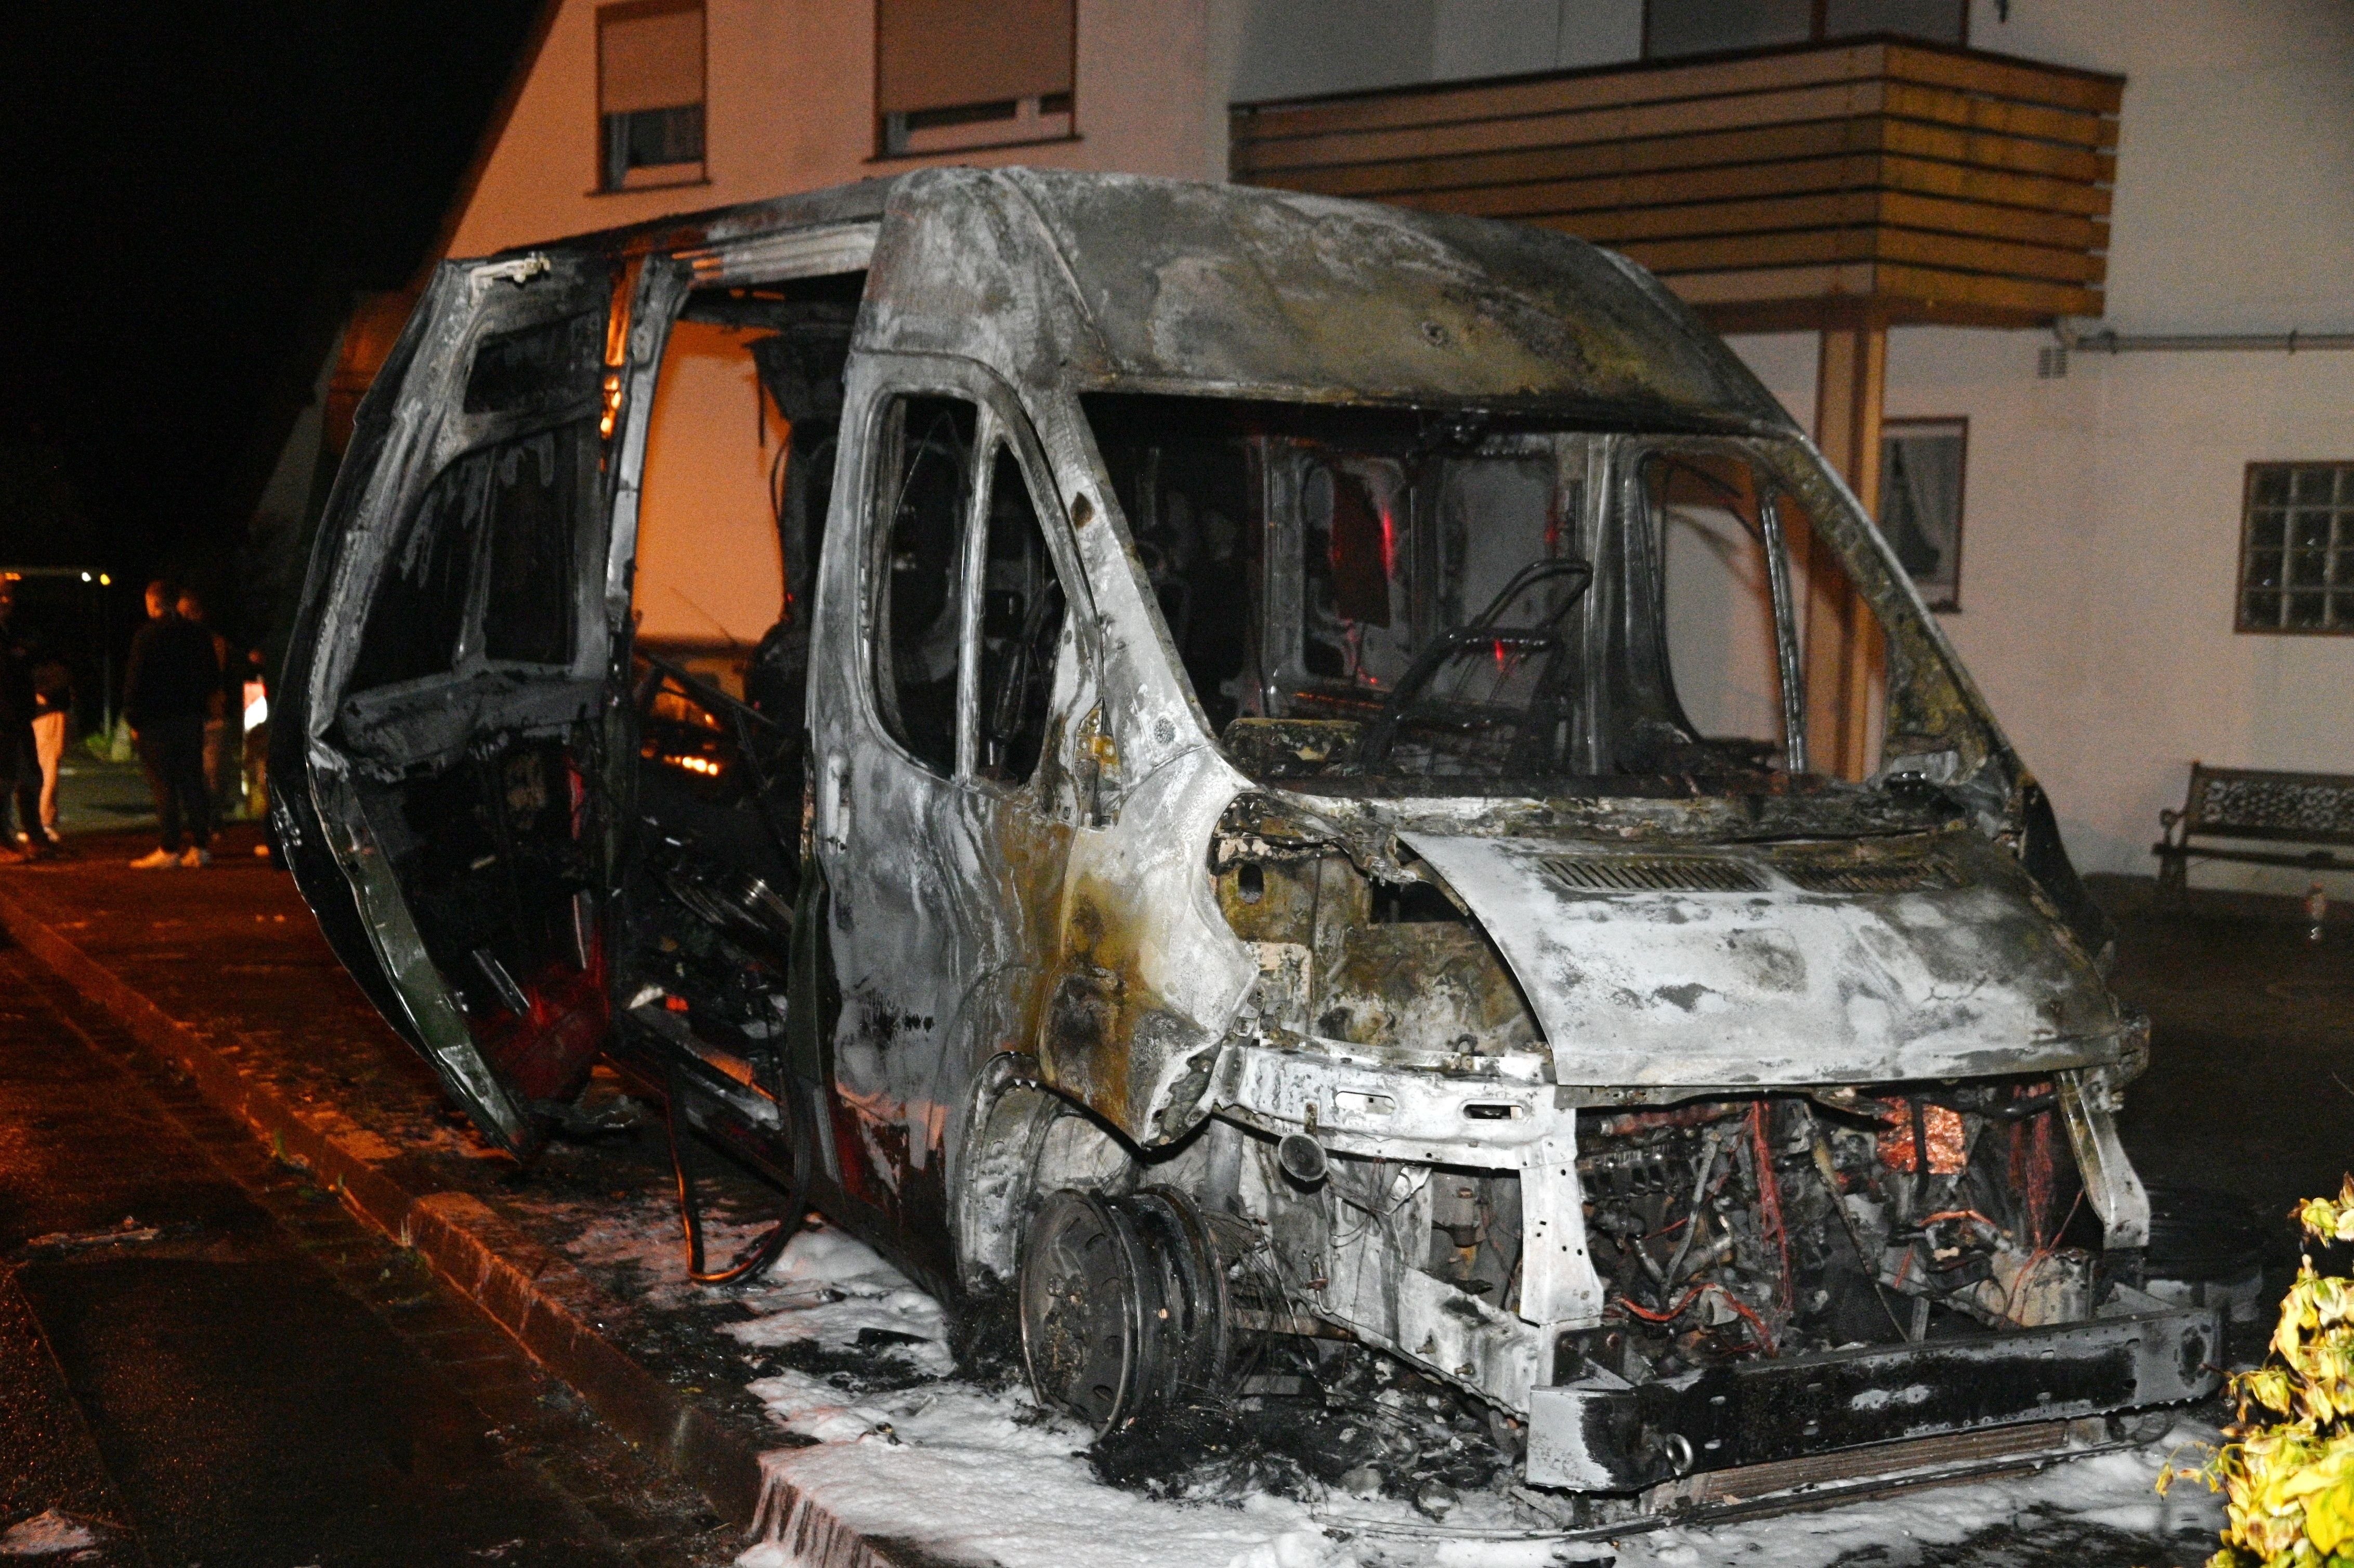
(1279, 808)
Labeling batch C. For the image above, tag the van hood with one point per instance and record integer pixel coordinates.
(1927, 955)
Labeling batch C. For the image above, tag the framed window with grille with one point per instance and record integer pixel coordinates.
(650, 90)
(2296, 549)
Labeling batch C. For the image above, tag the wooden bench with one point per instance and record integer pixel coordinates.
(2256, 808)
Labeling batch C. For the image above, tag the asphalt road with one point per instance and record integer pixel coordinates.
(204, 1361)
(2250, 1083)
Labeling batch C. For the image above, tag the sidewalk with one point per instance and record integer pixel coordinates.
(223, 973)
(96, 797)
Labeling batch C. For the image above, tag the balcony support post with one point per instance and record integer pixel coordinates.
(1844, 657)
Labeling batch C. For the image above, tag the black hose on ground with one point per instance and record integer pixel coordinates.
(765, 1247)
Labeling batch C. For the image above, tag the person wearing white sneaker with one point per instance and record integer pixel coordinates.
(168, 689)
(22, 785)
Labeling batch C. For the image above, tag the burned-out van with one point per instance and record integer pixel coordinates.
(1288, 801)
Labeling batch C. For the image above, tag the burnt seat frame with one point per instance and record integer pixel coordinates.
(2256, 806)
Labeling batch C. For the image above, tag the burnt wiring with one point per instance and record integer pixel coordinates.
(1766, 1337)
(1796, 1222)
(1922, 1169)
(750, 728)
(2032, 1167)
(753, 734)
(1675, 1270)
(2042, 1254)
(1769, 1203)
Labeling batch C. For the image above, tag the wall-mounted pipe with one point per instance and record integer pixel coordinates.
(2078, 340)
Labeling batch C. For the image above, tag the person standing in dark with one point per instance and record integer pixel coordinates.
(218, 775)
(20, 769)
(53, 698)
(166, 693)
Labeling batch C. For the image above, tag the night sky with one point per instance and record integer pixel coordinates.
(191, 192)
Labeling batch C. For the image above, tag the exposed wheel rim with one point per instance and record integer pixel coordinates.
(1083, 1282)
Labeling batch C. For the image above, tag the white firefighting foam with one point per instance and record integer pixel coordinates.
(975, 1475)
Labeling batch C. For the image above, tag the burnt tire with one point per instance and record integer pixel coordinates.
(1124, 1313)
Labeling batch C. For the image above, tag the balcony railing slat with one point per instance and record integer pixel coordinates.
(1257, 151)
(2007, 187)
(2023, 223)
(1859, 104)
(1726, 253)
(1638, 188)
(1606, 216)
(1996, 76)
(1786, 298)
(1991, 76)
(1942, 106)
(1842, 100)
(1406, 108)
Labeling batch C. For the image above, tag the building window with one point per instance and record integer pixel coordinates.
(650, 94)
(1672, 28)
(952, 75)
(1921, 466)
(2296, 548)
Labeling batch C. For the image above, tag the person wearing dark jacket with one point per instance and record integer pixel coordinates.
(166, 693)
(20, 769)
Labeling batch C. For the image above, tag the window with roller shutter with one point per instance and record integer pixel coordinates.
(650, 94)
(951, 75)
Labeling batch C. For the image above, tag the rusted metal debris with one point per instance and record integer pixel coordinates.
(1253, 828)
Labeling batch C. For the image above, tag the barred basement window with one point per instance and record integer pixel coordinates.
(2296, 548)
(650, 94)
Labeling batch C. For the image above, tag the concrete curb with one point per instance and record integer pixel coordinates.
(544, 1303)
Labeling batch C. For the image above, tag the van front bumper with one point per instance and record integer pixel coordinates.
(1600, 1434)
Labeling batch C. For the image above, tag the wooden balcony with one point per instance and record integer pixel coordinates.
(1825, 186)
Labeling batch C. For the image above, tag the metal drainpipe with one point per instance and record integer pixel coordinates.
(2052, 362)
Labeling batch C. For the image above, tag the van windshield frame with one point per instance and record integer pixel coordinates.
(1375, 560)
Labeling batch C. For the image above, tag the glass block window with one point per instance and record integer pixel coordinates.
(2296, 548)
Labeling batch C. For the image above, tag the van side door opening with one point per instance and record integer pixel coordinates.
(735, 479)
